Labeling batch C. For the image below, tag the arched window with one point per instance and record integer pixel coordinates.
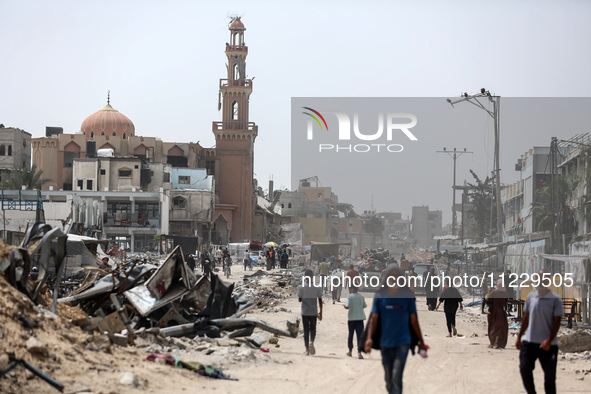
(179, 202)
(92, 134)
(102, 133)
(234, 110)
(124, 136)
(9, 150)
(236, 72)
(114, 133)
(2, 150)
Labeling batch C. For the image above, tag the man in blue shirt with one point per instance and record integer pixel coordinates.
(396, 309)
(542, 313)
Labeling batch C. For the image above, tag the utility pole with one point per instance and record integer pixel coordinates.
(495, 114)
(454, 155)
(553, 167)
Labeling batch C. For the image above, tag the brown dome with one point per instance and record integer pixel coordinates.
(237, 24)
(108, 121)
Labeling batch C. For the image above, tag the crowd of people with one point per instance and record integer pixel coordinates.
(393, 327)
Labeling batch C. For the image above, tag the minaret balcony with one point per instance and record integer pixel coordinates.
(236, 48)
(235, 125)
(240, 83)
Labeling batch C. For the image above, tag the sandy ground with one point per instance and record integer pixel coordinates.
(462, 364)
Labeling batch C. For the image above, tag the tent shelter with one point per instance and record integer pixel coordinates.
(322, 250)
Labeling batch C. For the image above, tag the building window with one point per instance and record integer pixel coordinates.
(114, 133)
(289, 205)
(234, 110)
(236, 72)
(92, 134)
(210, 167)
(69, 158)
(67, 186)
(179, 202)
(2, 150)
(9, 150)
(124, 173)
(282, 206)
(89, 184)
(166, 177)
(103, 172)
(80, 184)
(124, 135)
(136, 167)
(148, 209)
(184, 180)
(102, 133)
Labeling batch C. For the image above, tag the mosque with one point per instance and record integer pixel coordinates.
(133, 163)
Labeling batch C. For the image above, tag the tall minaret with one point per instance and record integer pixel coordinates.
(235, 137)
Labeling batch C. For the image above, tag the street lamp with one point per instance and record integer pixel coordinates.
(494, 113)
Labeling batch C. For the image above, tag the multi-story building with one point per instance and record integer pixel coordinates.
(107, 154)
(15, 149)
(396, 233)
(425, 225)
(517, 198)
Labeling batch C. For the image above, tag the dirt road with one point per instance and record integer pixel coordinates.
(463, 364)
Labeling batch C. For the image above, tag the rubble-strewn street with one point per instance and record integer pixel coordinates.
(85, 362)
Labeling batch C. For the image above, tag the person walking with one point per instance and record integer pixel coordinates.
(191, 263)
(355, 304)
(323, 269)
(204, 256)
(310, 296)
(336, 283)
(207, 265)
(227, 265)
(394, 307)
(498, 326)
(247, 261)
(431, 290)
(351, 275)
(451, 298)
(273, 258)
(542, 313)
(483, 293)
(283, 259)
(219, 257)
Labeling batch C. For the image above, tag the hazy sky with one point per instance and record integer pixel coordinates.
(162, 61)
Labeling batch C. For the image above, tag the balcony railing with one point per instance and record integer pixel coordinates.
(235, 125)
(240, 83)
(236, 48)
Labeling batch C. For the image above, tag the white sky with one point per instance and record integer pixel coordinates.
(162, 61)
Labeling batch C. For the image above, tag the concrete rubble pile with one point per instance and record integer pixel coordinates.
(577, 341)
(374, 261)
(158, 308)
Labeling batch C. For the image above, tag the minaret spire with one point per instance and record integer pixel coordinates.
(108, 97)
